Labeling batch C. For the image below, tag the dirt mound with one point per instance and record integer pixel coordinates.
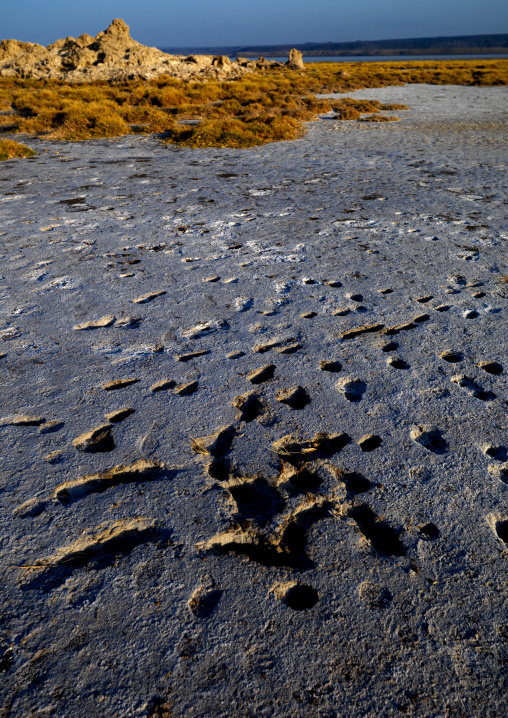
(111, 55)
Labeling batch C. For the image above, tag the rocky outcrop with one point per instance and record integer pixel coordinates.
(112, 55)
(295, 61)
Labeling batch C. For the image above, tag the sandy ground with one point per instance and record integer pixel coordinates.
(344, 291)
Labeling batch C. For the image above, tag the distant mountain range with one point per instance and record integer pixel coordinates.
(461, 45)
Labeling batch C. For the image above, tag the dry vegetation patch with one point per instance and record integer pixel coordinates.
(254, 109)
(10, 149)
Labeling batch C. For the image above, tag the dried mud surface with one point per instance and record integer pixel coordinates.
(254, 422)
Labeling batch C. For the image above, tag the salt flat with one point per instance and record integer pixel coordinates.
(336, 306)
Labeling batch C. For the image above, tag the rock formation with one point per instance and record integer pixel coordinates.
(295, 61)
(113, 55)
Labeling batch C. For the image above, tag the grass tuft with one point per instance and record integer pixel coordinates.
(252, 110)
(10, 149)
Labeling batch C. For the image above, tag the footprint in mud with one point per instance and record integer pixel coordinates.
(453, 357)
(249, 406)
(204, 599)
(259, 376)
(352, 388)
(296, 397)
(498, 453)
(383, 537)
(389, 346)
(430, 438)
(297, 596)
(369, 442)
(501, 528)
(255, 500)
(330, 365)
(98, 440)
(491, 367)
(429, 531)
(499, 471)
(95, 549)
(373, 595)
(473, 388)
(397, 363)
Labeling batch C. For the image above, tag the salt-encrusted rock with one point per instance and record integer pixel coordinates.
(111, 55)
(295, 61)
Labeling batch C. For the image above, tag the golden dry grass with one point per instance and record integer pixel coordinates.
(254, 109)
(10, 149)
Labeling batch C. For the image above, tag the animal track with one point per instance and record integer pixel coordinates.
(502, 530)
(249, 406)
(119, 384)
(397, 363)
(186, 389)
(370, 442)
(259, 376)
(430, 438)
(384, 539)
(296, 397)
(358, 331)
(97, 440)
(298, 596)
(352, 388)
(473, 388)
(452, 356)
(204, 600)
(95, 548)
(71, 491)
(491, 367)
(115, 417)
(329, 365)
(216, 444)
(429, 531)
(499, 471)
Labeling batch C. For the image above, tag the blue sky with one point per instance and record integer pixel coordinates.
(237, 22)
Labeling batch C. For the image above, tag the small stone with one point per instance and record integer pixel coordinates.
(334, 283)
(235, 355)
(211, 279)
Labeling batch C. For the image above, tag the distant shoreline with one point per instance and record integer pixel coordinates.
(491, 45)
